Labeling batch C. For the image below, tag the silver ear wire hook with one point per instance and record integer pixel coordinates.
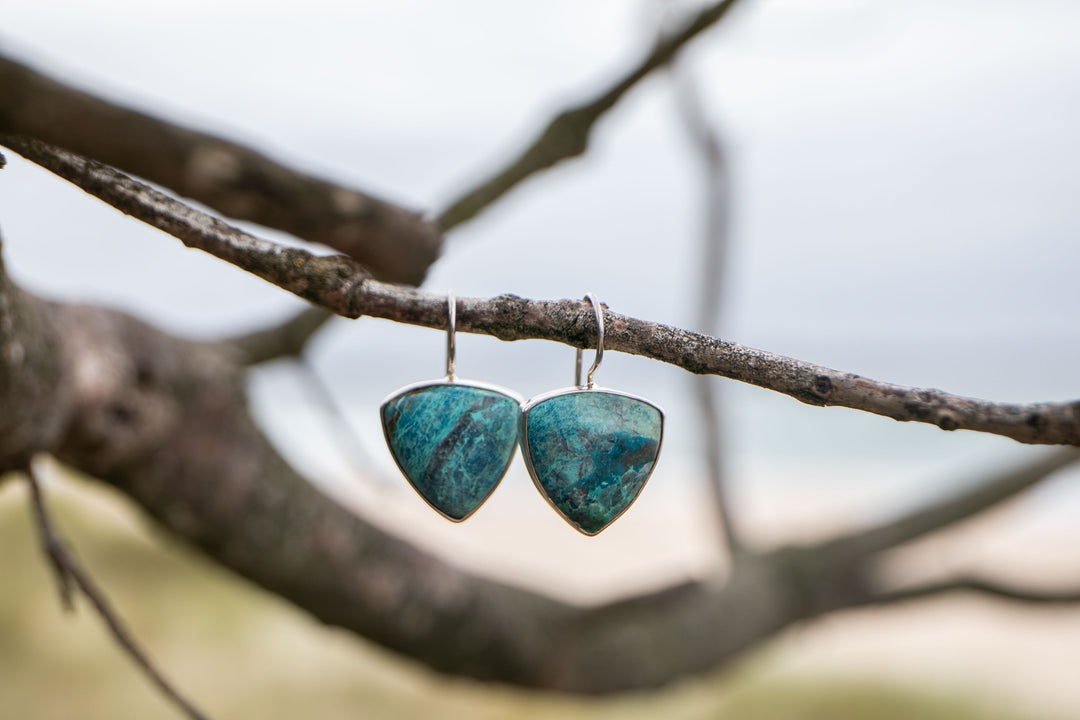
(435, 427)
(451, 350)
(599, 312)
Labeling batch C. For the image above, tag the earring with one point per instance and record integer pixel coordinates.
(452, 439)
(590, 450)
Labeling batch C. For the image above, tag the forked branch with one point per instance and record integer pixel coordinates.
(394, 243)
(168, 425)
(71, 575)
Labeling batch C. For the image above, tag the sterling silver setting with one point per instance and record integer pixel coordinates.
(589, 386)
(451, 380)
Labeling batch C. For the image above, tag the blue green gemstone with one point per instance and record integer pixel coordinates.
(591, 452)
(453, 442)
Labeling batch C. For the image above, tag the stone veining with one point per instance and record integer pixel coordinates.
(453, 442)
(591, 452)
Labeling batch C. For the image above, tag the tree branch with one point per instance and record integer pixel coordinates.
(567, 134)
(33, 376)
(286, 340)
(338, 284)
(312, 277)
(982, 586)
(51, 543)
(715, 243)
(70, 572)
(165, 421)
(965, 504)
(393, 243)
(356, 456)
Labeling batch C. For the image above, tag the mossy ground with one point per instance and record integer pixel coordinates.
(240, 653)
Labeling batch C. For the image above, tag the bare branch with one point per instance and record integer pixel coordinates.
(393, 243)
(168, 425)
(340, 285)
(69, 571)
(982, 586)
(309, 276)
(715, 241)
(286, 340)
(984, 495)
(567, 134)
(51, 543)
(321, 396)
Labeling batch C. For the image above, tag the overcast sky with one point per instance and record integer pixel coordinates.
(905, 175)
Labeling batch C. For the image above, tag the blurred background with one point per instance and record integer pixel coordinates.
(904, 206)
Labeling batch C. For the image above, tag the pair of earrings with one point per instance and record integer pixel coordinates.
(589, 450)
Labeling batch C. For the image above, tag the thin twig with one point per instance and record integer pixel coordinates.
(51, 544)
(567, 134)
(285, 340)
(69, 571)
(340, 285)
(715, 241)
(981, 586)
(943, 513)
(321, 396)
(288, 340)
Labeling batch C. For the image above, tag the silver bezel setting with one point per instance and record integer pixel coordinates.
(523, 431)
(451, 382)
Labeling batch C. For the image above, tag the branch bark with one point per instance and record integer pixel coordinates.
(32, 374)
(394, 243)
(340, 285)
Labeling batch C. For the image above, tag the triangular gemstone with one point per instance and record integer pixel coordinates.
(590, 452)
(452, 441)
